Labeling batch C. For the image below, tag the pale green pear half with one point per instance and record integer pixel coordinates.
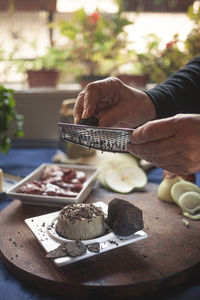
(125, 179)
(113, 162)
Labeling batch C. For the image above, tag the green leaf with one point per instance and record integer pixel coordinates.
(8, 118)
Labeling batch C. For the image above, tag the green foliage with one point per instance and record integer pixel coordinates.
(8, 116)
(192, 42)
(54, 59)
(159, 64)
(194, 13)
(96, 41)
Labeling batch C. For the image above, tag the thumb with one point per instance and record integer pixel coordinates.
(154, 130)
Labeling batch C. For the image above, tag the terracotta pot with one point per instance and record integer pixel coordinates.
(157, 6)
(30, 5)
(134, 80)
(43, 78)
(87, 79)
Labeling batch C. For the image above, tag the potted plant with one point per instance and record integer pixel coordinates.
(159, 63)
(8, 118)
(97, 42)
(43, 71)
(132, 73)
(157, 5)
(31, 5)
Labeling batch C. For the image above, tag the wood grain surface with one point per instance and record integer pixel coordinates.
(170, 256)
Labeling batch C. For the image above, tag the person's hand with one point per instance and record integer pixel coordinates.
(114, 104)
(172, 144)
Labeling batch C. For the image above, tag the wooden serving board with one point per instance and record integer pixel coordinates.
(168, 257)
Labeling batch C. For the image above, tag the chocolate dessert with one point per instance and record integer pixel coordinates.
(124, 218)
(80, 222)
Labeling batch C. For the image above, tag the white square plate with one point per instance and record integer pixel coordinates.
(91, 174)
(43, 227)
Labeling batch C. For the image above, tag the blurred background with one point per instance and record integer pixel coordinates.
(50, 50)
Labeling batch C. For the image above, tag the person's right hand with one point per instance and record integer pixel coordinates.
(114, 103)
(172, 144)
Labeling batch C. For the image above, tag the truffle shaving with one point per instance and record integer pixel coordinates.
(72, 249)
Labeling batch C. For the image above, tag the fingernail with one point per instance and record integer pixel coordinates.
(76, 120)
(84, 114)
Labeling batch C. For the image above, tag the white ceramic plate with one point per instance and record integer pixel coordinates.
(43, 227)
(91, 174)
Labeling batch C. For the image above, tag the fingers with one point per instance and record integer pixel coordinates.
(91, 97)
(171, 160)
(154, 131)
(159, 153)
(157, 149)
(178, 153)
(78, 107)
(160, 143)
(97, 95)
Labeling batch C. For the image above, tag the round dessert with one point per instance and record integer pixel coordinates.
(80, 222)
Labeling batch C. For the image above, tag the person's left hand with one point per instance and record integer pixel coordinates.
(172, 144)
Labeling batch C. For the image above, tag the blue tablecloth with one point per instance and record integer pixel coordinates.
(21, 162)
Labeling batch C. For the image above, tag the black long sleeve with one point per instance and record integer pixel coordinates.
(180, 93)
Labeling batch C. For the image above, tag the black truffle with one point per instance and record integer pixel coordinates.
(76, 248)
(124, 218)
(60, 251)
(95, 247)
(91, 121)
(73, 249)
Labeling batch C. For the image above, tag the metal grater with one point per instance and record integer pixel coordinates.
(108, 139)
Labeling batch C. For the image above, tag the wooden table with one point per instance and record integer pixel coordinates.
(170, 256)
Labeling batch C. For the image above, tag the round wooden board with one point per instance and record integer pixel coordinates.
(168, 257)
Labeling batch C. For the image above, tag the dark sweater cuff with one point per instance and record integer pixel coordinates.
(164, 104)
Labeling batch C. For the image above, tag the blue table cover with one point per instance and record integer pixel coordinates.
(22, 161)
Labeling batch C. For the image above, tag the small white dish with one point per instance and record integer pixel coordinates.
(43, 227)
(91, 175)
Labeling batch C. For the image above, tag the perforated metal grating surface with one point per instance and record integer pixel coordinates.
(99, 138)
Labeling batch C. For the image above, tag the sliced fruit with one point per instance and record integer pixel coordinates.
(125, 179)
(113, 162)
(164, 189)
(181, 187)
(190, 202)
(101, 178)
(116, 160)
(193, 217)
